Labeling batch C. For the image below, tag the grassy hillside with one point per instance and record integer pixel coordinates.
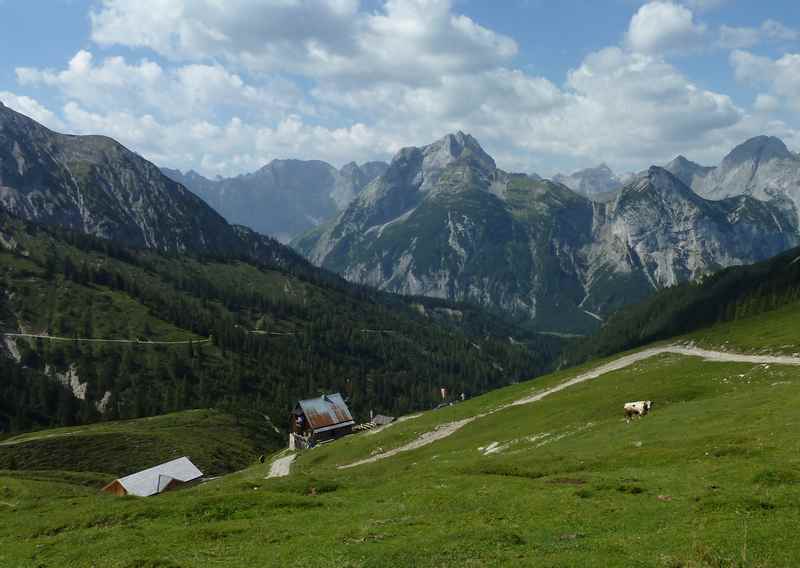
(708, 479)
(262, 337)
(730, 295)
(216, 442)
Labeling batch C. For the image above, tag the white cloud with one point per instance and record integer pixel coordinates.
(407, 40)
(766, 103)
(781, 75)
(663, 26)
(778, 31)
(375, 81)
(737, 38)
(32, 108)
(704, 5)
(193, 90)
(744, 37)
(227, 148)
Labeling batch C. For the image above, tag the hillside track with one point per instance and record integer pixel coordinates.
(281, 466)
(87, 340)
(445, 430)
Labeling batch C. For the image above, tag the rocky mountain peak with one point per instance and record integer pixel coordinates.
(686, 170)
(760, 149)
(349, 169)
(591, 182)
(680, 161)
(656, 180)
(456, 147)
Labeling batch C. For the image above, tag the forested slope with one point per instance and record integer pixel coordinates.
(274, 336)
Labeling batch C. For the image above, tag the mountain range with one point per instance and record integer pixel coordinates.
(599, 183)
(440, 221)
(285, 198)
(444, 221)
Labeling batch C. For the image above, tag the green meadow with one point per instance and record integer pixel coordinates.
(710, 478)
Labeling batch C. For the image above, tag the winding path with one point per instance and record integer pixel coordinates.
(445, 430)
(83, 339)
(281, 466)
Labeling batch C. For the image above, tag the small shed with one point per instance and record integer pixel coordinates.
(155, 480)
(323, 418)
(381, 420)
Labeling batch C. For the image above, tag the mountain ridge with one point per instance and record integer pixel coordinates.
(285, 197)
(448, 226)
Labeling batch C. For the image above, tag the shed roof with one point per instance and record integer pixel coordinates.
(381, 420)
(326, 412)
(156, 479)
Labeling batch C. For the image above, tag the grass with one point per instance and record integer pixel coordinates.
(708, 479)
(777, 331)
(216, 442)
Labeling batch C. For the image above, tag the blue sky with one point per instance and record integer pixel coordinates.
(545, 86)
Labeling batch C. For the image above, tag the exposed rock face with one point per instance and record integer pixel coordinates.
(686, 170)
(761, 167)
(94, 185)
(599, 182)
(443, 221)
(286, 197)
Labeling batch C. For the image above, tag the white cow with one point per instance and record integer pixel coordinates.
(638, 408)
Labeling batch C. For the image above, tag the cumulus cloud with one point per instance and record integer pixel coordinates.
(744, 37)
(32, 108)
(766, 103)
(663, 26)
(704, 5)
(217, 97)
(781, 75)
(198, 90)
(406, 40)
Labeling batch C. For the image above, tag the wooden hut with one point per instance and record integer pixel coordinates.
(321, 419)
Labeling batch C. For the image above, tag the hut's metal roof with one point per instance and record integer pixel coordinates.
(326, 412)
(156, 479)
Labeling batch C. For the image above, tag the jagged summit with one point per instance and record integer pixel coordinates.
(658, 180)
(591, 182)
(758, 149)
(682, 162)
(454, 147)
(686, 170)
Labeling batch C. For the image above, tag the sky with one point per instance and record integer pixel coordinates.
(225, 86)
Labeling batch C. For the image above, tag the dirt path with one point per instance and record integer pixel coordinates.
(439, 433)
(86, 340)
(281, 466)
(385, 426)
(450, 428)
(35, 438)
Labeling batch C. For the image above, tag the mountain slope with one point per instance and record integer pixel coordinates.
(718, 452)
(730, 295)
(250, 336)
(94, 185)
(445, 222)
(217, 443)
(761, 167)
(285, 197)
(686, 170)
